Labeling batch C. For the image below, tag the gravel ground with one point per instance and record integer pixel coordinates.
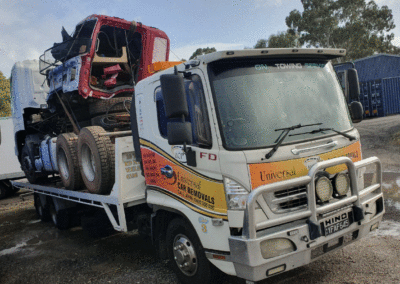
(36, 252)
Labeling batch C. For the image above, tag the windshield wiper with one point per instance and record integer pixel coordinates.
(282, 136)
(351, 138)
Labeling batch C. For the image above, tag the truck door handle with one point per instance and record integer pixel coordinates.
(327, 145)
(167, 171)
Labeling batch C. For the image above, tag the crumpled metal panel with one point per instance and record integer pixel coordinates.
(71, 74)
(65, 78)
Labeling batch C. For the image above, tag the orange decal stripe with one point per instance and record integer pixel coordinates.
(173, 160)
(265, 173)
(166, 173)
(191, 206)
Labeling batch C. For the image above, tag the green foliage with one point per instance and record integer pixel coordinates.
(282, 40)
(360, 27)
(261, 43)
(5, 98)
(201, 51)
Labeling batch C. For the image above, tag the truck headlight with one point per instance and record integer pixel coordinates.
(324, 188)
(342, 184)
(236, 195)
(275, 247)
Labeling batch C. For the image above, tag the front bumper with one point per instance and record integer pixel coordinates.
(303, 228)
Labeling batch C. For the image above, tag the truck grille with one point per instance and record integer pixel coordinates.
(288, 192)
(287, 200)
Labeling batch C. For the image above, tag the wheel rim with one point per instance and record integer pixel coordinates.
(88, 163)
(185, 255)
(63, 163)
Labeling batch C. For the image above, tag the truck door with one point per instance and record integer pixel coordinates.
(166, 168)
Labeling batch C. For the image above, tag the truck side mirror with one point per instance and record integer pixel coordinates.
(176, 107)
(356, 111)
(353, 85)
(173, 90)
(179, 133)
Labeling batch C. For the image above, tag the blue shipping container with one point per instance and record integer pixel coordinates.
(380, 97)
(391, 95)
(374, 67)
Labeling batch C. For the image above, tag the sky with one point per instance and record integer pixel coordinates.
(29, 27)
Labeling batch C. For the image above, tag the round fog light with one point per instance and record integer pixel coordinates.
(342, 184)
(324, 189)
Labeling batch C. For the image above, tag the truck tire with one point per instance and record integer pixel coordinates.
(61, 218)
(67, 161)
(3, 190)
(113, 105)
(41, 211)
(186, 254)
(96, 160)
(27, 161)
(97, 226)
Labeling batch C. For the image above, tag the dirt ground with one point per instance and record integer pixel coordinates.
(35, 252)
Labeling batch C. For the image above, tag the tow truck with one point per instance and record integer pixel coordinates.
(243, 160)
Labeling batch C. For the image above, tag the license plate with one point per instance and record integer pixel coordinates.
(336, 223)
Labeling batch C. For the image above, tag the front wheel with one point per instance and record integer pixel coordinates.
(186, 254)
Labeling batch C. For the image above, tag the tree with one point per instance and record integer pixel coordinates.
(201, 51)
(5, 98)
(282, 40)
(361, 28)
(261, 43)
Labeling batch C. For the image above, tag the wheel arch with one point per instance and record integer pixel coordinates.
(19, 141)
(214, 237)
(159, 224)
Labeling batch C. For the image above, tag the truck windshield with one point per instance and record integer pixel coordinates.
(85, 29)
(255, 97)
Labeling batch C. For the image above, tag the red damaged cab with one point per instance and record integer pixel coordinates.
(104, 57)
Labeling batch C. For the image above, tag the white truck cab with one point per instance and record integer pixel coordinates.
(256, 148)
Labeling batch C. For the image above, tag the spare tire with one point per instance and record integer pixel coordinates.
(96, 160)
(113, 105)
(67, 161)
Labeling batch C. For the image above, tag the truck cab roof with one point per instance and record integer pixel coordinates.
(323, 53)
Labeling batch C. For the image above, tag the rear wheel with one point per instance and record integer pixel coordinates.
(41, 211)
(3, 190)
(67, 161)
(61, 218)
(186, 254)
(96, 160)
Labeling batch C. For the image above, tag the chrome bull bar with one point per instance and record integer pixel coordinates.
(250, 227)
